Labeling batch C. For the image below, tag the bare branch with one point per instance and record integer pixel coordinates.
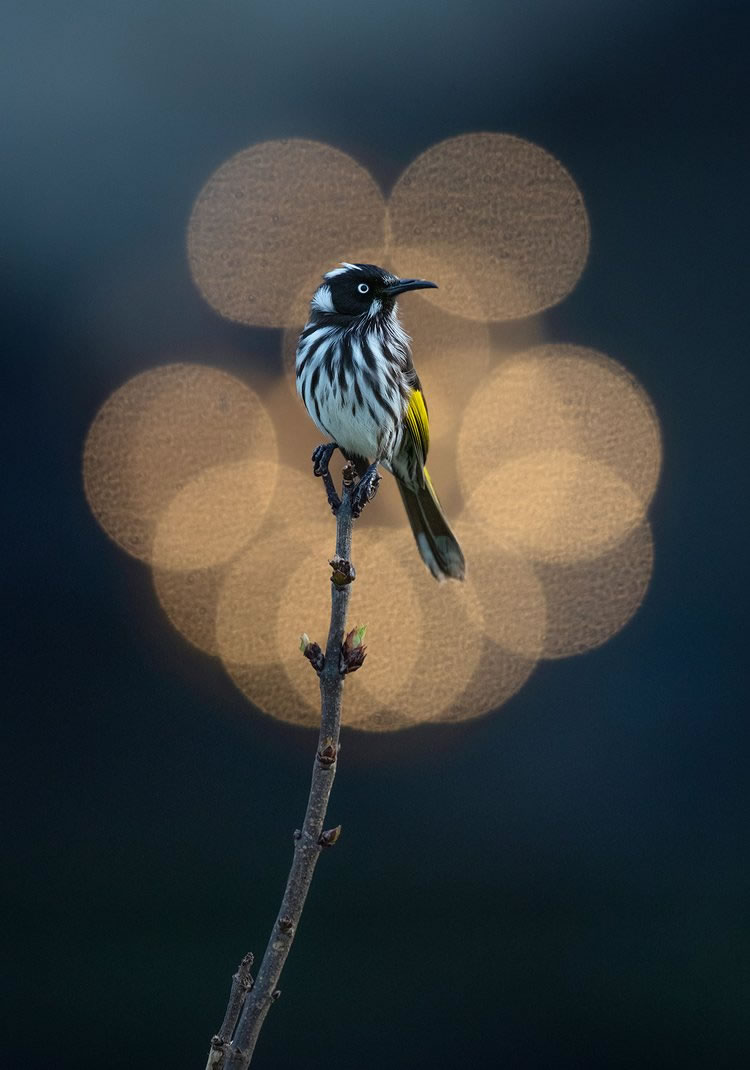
(234, 1050)
(242, 982)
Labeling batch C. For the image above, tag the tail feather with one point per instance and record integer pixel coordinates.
(436, 542)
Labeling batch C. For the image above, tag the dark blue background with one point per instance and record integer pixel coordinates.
(561, 884)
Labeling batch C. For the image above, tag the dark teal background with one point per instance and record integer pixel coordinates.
(561, 884)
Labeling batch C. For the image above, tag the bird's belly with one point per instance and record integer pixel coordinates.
(349, 424)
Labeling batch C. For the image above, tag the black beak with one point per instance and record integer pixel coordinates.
(409, 284)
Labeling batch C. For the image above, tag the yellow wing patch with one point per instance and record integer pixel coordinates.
(418, 424)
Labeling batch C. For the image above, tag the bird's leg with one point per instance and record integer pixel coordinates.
(321, 458)
(366, 489)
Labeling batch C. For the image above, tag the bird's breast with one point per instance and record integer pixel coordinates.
(352, 390)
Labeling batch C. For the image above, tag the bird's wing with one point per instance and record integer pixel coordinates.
(418, 425)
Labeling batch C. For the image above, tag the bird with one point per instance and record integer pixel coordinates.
(356, 378)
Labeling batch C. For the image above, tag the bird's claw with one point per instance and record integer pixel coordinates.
(321, 458)
(365, 490)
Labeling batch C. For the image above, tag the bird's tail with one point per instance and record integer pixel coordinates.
(436, 542)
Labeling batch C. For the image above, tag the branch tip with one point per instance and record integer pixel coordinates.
(243, 976)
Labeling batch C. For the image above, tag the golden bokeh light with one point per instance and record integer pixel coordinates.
(511, 598)
(508, 633)
(214, 515)
(500, 676)
(545, 458)
(269, 688)
(254, 588)
(298, 506)
(190, 599)
(275, 217)
(147, 450)
(449, 643)
(590, 601)
(562, 397)
(499, 213)
(441, 261)
(554, 505)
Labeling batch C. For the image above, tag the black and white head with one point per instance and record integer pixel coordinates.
(355, 293)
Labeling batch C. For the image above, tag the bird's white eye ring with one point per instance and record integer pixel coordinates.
(363, 288)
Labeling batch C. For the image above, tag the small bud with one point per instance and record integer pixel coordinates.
(329, 837)
(297, 834)
(217, 1043)
(353, 651)
(327, 752)
(275, 995)
(312, 652)
(343, 571)
(349, 474)
(286, 925)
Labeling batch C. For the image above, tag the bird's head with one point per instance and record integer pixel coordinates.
(354, 292)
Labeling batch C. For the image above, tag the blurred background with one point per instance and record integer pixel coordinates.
(559, 883)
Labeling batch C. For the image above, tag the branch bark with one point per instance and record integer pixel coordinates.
(234, 1052)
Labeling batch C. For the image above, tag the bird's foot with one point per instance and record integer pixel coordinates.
(366, 489)
(321, 459)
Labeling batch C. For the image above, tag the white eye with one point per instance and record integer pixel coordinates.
(363, 288)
